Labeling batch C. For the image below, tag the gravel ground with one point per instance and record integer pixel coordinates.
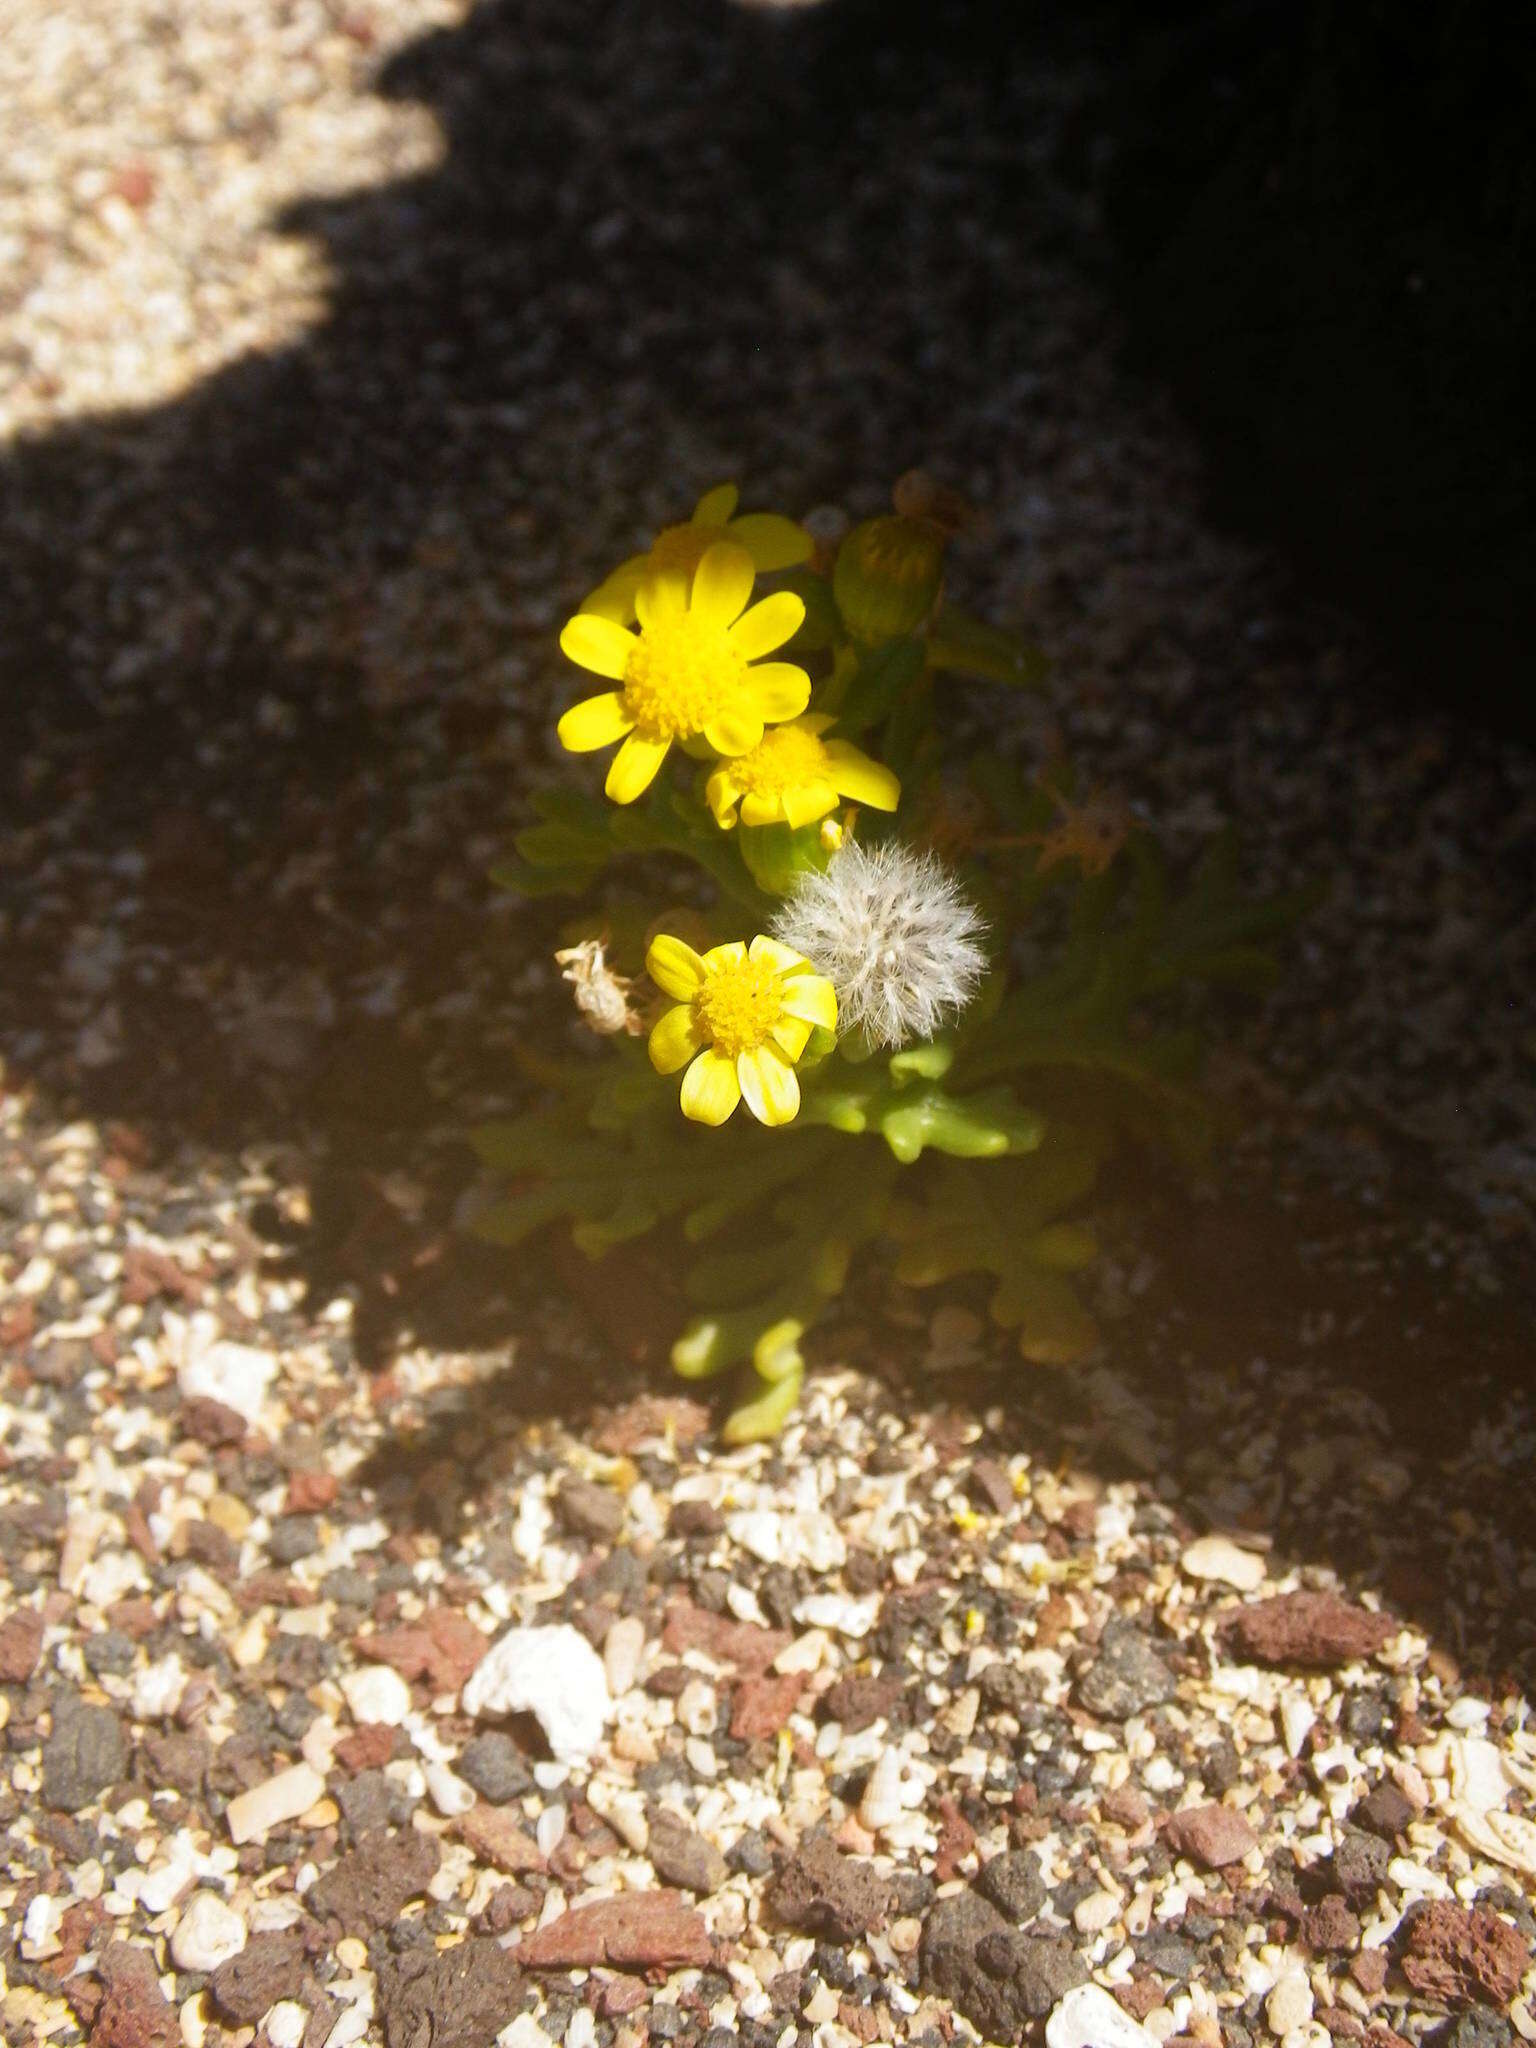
(1198, 1677)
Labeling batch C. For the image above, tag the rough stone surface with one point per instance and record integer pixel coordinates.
(761, 1706)
(1459, 1954)
(461, 1998)
(134, 2012)
(637, 1931)
(1211, 1836)
(1013, 1883)
(86, 1752)
(825, 1893)
(497, 1838)
(370, 1887)
(742, 1644)
(861, 1699)
(1313, 1631)
(999, 1978)
(1126, 1677)
(440, 1650)
(265, 1970)
(496, 1768)
(682, 1857)
(21, 1643)
(593, 1512)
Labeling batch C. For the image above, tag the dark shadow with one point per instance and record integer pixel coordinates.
(1327, 223)
(277, 671)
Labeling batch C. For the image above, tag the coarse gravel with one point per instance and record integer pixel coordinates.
(1199, 1676)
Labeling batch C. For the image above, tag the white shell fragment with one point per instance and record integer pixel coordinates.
(555, 1675)
(1090, 2018)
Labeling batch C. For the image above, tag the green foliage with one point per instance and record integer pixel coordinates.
(975, 1152)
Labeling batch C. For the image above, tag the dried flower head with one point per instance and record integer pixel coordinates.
(602, 996)
(893, 934)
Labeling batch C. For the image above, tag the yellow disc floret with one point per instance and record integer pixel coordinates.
(739, 1005)
(741, 1017)
(682, 674)
(693, 670)
(793, 777)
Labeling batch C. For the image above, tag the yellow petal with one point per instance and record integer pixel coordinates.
(816, 722)
(769, 1085)
(595, 722)
(633, 768)
(736, 730)
(732, 954)
(710, 1089)
(722, 583)
(720, 793)
(675, 968)
(614, 597)
(597, 644)
(777, 954)
(812, 800)
(865, 781)
(790, 1035)
(761, 810)
(768, 625)
(662, 594)
(778, 690)
(772, 541)
(811, 998)
(716, 506)
(674, 1040)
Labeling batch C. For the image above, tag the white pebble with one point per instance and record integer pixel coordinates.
(208, 1933)
(1220, 1559)
(377, 1693)
(238, 1375)
(621, 1653)
(252, 1815)
(285, 2023)
(555, 1675)
(1289, 2005)
(697, 1709)
(840, 1613)
(1297, 1720)
(523, 2032)
(449, 1793)
(549, 1830)
(1089, 2018)
(1093, 1914)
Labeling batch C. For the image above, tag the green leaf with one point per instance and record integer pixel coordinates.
(958, 641)
(883, 676)
(775, 855)
(765, 1413)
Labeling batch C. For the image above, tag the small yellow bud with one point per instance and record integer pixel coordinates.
(975, 1624)
(887, 577)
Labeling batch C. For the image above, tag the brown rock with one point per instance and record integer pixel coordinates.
(822, 1892)
(651, 1416)
(1369, 1970)
(368, 1747)
(1126, 1807)
(133, 2012)
(1329, 1928)
(308, 1492)
(459, 1998)
(635, 1932)
(372, 1886)
(858, 1700)
(211, 1423)
(440, 1650)
(1317, 1631)
(682, 1857)
(21, 1644)
(743, 1644)
(617, 1996)
(494, 1835)
(762, 1705)
(1458, 1954)
(1211, 1836)
(989, 1486)
(267, 1968)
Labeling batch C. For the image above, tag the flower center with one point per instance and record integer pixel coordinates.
(738, 1006)
(681, 673)
(683, 547)
(786, 757)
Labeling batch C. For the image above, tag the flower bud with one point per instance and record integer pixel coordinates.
(887, 577)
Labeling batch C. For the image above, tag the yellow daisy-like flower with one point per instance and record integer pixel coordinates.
(793, 777)
(742, 1018)
(772, 541)
(692, 670)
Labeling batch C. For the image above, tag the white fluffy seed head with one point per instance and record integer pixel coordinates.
(895, 937)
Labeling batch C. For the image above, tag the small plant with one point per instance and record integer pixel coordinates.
(856, 997)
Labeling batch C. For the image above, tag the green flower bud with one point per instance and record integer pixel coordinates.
(887, 577)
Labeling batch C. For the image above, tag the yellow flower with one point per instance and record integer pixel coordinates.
(688, 672)
(772, 541)
(793, 777)
(741, 1020)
